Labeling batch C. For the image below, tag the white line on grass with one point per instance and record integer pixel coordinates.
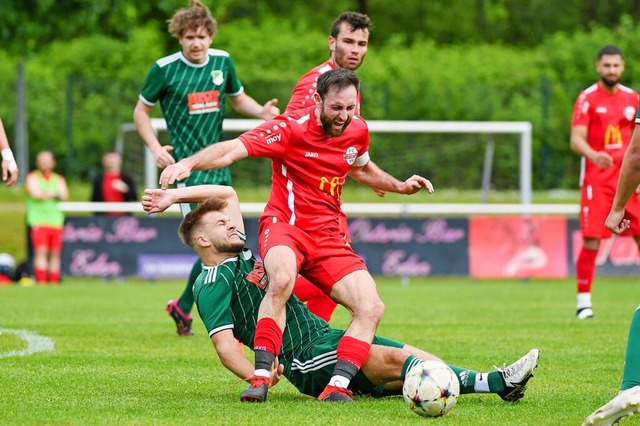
(35, 342)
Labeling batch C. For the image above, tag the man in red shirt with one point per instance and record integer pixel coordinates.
(348, 44)
(601, 127)
(301, 231)
(113, 185)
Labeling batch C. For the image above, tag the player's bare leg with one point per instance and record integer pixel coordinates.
(357, 292)
(281, 268)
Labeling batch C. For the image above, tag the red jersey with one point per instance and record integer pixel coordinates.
(309, 167)
(610, 120)
(302, 96)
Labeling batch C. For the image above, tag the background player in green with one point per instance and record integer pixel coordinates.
(192, 87)
(229, 291)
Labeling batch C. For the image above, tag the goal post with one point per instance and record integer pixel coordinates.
(490, 128)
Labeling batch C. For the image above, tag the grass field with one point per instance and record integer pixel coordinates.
(117, 359)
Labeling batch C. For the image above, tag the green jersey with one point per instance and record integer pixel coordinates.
(192, 98)
(228, 297)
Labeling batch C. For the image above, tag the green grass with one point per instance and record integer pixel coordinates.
(117, 359)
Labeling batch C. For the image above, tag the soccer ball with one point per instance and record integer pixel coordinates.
(431, 389)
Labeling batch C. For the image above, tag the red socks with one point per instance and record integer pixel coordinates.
(353, 350)
(268, 336)
(585, 266)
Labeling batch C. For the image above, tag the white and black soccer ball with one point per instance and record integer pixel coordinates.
(431, 389)
(7, 265)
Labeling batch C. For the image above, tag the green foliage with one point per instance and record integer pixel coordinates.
(80, 89)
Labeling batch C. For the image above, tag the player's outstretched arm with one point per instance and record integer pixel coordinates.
(374, 177)
(215, 156)
(158, 200)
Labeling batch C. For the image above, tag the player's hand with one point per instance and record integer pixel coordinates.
(173, 173)
(602, 160)
(9, 172)
(156, 200)
(163, 156)
(616, 222)
(270, 110)
(414, 184)
(276, 372)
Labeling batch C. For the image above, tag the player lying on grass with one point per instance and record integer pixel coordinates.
(232, 284)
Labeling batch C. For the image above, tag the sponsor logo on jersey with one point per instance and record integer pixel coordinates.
(351, 155)
(601, 110)
(217, 77)
(203, 102)
(274, 138)
(311, 154)
(613, 137)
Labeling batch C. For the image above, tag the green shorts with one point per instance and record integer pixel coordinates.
(312, 367)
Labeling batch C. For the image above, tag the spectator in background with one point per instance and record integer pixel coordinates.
(601, 128)
(9, 166)
(192, 87)
(45, 189)
(113, 185)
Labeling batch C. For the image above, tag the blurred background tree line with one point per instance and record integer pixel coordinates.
(84, 63)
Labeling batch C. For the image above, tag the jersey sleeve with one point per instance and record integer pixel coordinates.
(270, 139)
(213, 300)
(154, 86)
(581, 109)
(233, 84)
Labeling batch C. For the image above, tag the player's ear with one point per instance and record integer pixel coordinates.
(317, 99)
(202, 241)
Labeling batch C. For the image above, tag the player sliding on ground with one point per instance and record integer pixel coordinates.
(232, 284)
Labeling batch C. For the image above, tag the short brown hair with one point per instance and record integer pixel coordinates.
(191, 18)
(357, 21)
(340, 78)
(192, 220)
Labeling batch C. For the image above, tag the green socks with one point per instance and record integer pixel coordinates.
(631, 374)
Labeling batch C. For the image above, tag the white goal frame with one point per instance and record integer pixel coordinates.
(521, 128)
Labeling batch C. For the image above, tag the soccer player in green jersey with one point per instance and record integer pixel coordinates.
(193, 86)
(232, 284)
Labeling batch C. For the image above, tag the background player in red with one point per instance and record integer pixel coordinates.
(312, 152)
(348, 44)
(601, 128)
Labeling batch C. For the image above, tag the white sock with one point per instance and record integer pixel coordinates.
(584, 300)
(482, 382)
(262, 373)
(339, 381)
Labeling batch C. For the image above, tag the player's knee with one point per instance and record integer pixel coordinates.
(281, 284)
(371, 311)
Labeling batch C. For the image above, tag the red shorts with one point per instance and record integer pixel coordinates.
(595, 204)
(322, 257)
(46, 237)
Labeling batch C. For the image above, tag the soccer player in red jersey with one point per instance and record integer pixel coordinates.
(312, 151)
(348, 44)
(601, 127)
